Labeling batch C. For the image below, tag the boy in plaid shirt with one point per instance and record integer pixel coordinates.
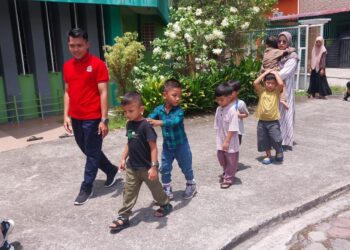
(170, 117)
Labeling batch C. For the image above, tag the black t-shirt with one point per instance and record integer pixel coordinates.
(139, 133)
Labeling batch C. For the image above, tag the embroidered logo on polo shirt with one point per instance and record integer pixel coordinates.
(89, 68)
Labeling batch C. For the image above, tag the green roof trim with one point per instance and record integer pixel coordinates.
(161, 5)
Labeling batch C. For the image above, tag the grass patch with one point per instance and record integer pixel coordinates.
(338, 90)
(300, 92)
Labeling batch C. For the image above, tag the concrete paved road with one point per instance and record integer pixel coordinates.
(39, 184)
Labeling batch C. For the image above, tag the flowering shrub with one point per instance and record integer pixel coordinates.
(197, 49)
(196, 42)
(122, 57)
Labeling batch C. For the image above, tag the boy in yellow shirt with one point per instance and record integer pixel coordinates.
(268, 131)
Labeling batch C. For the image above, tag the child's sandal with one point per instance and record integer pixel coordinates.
(119, 224)
(163, 210)
(225, 185)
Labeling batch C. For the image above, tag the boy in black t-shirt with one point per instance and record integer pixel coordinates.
(140, 160)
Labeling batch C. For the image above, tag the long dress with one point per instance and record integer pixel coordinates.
(287, 119)
(318, 82)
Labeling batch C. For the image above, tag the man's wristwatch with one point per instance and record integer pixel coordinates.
(155, 164)
(105, 120)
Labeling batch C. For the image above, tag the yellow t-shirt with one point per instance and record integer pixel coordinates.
(267, 109)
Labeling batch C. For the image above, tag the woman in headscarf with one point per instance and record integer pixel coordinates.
(288, 66)
(318, 80)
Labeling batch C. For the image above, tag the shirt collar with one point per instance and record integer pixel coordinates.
(174, 108)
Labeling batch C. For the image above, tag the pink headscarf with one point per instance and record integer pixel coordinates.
(288, 37)
(317, 53)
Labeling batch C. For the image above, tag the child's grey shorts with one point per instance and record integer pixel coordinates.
(269, 136)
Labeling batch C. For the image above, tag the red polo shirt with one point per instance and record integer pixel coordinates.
(82, 77)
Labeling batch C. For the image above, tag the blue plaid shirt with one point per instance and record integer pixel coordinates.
(173, 129)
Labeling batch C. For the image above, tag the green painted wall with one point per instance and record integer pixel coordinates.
(28, 104)
(56, 90)
(113, 23)
(3, 113)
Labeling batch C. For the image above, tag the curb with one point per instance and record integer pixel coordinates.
(285, 215)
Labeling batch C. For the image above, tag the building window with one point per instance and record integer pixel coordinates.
(148, 35)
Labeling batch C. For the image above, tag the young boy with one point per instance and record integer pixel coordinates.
(267, 111)
(347, 93)
(140, 159)
(226, 125)
(6, 227)
(272, 56)
(239, 106)
(170, 117)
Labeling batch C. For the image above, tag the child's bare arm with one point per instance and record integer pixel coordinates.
(242, 115)
(155, 123)
(153, 171)
(124, 156)
(227, 140)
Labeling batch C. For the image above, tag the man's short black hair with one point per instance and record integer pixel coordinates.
(171, 84)
(272, 42)
(270, 76)
(131, 97)
(348, 85)
(234, 84)
(77, 32)
(223, 89)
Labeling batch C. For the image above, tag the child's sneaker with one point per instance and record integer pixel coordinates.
(190, 190)
(267, 160)
(168, 191)
(7, 246)
(7, 226)
(279, 157)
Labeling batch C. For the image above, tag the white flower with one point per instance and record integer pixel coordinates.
(162, 77)
(166, 33)
(176, 27)
(218, 34)
(245, 26)
(208, 22)
(255, 9)
(204, 46)
(197, 60)
(138, 84)
(217, 51)
(188, 37)
(168, 55)
(209, 37)
(172, 35)
(233, 10)
(157, 50)
(136, 68)
(154, 68)
(224, 22)
(179, 58)
(198, 22)
(198, 12)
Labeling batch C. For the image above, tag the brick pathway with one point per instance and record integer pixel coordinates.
(330, 233)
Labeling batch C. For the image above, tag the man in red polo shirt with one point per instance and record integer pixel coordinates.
(85, 110)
